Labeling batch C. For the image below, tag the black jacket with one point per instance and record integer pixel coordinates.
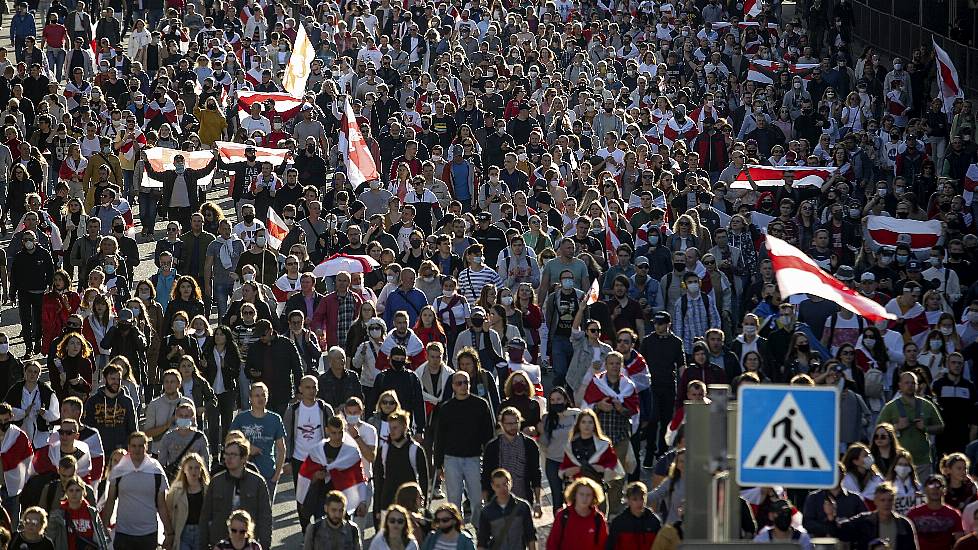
(307, 344)
(531, 462)
(282, 375)
(665, 357)
(190, 176)
(860, 530)
(409, 393)
(230, 369)
(31, 270)
(131, 344)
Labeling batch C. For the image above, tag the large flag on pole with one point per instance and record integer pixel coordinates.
(161, 158)
(885, 231)
(275, 229)
(947, 80)
(752, 8)
(773, 176)
(283, 105)
(360, 166)
(798, 274)
(298, 70)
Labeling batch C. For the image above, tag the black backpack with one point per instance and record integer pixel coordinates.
(706, 306)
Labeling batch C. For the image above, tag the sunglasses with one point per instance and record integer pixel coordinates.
(67, 432)
(593, 330)
(396, 521)
(388, 402)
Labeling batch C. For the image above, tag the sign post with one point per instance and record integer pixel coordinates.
(787, 436)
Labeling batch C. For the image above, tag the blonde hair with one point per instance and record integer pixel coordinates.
(245, 518)
(182, 474)
(570, 493)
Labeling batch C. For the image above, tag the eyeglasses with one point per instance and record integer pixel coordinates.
(593, 330)
(883, 435)
(709, 263)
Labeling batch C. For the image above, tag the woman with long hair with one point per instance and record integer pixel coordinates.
(194, 386)
(800, 358)
(862, 477)
(87, 526)
(184, 501)
(579, 524)
(452, 310)
(221, 365)
(387, 403)
(428, 327)
(521, 394)
(241, 531)
(525, 302)
(588, 452)
(670, 495)
(73, 367)
(885, 447)
(961, 490)
(56, 306)
(934, 358)
(250, 294)
(185, 296)
(871, 351)
(397, 532)
(555, 430)
(177, 344)
(412, 498)
(909, 491)
(96, 326)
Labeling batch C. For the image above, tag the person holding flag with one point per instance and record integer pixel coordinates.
(335, 464)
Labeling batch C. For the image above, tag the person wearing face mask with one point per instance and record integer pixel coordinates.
(127, 340)
(305, 426)
(400, 459)
(180, 190)
(781, 528)
(950, 284)
(31, 274)
(401, 379)
(185, 438)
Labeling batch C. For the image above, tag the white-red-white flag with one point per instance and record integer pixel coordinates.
(360, 166)
(611, 240)
(884, 231)
(161, 159)
(947, 80)
(970, 183)
(752, 8)
(16, 453)
(773, 176)
(345, 473)
(797, 273)
(593, 293)
(284, 105)
(275, 229)
(235, 152)
(673, 131)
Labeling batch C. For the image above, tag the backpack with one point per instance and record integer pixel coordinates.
(706, 305)
(158, 478)
(835, 319)
(874, 384)
(565, 517)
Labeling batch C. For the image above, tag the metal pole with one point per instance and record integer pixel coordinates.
(699, 476)
(733, 490)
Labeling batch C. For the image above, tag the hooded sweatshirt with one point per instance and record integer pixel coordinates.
(113, 417)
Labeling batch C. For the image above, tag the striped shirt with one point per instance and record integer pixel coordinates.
(470, 282)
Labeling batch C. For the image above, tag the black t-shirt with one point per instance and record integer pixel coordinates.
(567, 305)
(19, 543)
(195, 501)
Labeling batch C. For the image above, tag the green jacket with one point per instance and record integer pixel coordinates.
(912, 438)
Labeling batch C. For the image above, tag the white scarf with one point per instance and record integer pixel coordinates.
(227, 248)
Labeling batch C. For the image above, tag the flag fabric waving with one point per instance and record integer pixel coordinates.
(970, 183)
(360, 166)
(766, 72)
(947, 79)
(16, 454)
(593, 293)
(345, 472)
(275, 229)
(796, 273)
(884, 231)
(611, 240)
(773, 176)
(162, 160)
(673, 131)
(598, 390)
(298, 70)
(285, 105)
(752, 8)
(235, 152)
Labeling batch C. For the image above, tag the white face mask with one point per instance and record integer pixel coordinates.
(249, 277)
(179, 325)
(4, 348)
(506, 300)
(693, 288)
(947, 331)
(353, 419)
(750, 330)
(869, 343)
(868, 462)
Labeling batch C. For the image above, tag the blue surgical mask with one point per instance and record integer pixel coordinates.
(567, 284)
(109, 269)
(654, 240)
(184, 422)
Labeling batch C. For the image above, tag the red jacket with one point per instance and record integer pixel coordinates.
(572, 531)
(55, 310)
(327, 315)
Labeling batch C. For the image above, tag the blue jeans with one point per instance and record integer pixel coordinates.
(56, 61)
(222, 296)
(556, 483)
(189, 538)
(244, 389)
(127, 183)
(467, 470)
(562, 351)
(147, 211)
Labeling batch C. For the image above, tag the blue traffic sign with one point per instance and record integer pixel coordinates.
(787, 436)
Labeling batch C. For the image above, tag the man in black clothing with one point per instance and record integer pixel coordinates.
(491, 236)
(399, 460)
(274, 360)
(465, 425)
(956, 399)
(31, 273)
(663, 351)
(405, 384)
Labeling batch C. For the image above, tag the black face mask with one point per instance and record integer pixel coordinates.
(558, 408)
(4, 426)
(478, 321)
(249, 218)
(446, 528)
(679, 266)
(119, 228)
(398, 363)
(804, 348)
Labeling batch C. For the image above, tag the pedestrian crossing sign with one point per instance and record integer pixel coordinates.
(787, 436)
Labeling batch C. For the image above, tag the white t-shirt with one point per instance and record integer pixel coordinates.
(247, 233)
(369, 435)
(308, 430)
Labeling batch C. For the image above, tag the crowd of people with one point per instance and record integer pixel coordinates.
(558, 240)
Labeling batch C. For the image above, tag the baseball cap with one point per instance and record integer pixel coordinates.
(641, 260)
(662, 317)
(913, 266)
(483, 216)
(845, 273)
(517, 343)
(868, 277)
(781, 506)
